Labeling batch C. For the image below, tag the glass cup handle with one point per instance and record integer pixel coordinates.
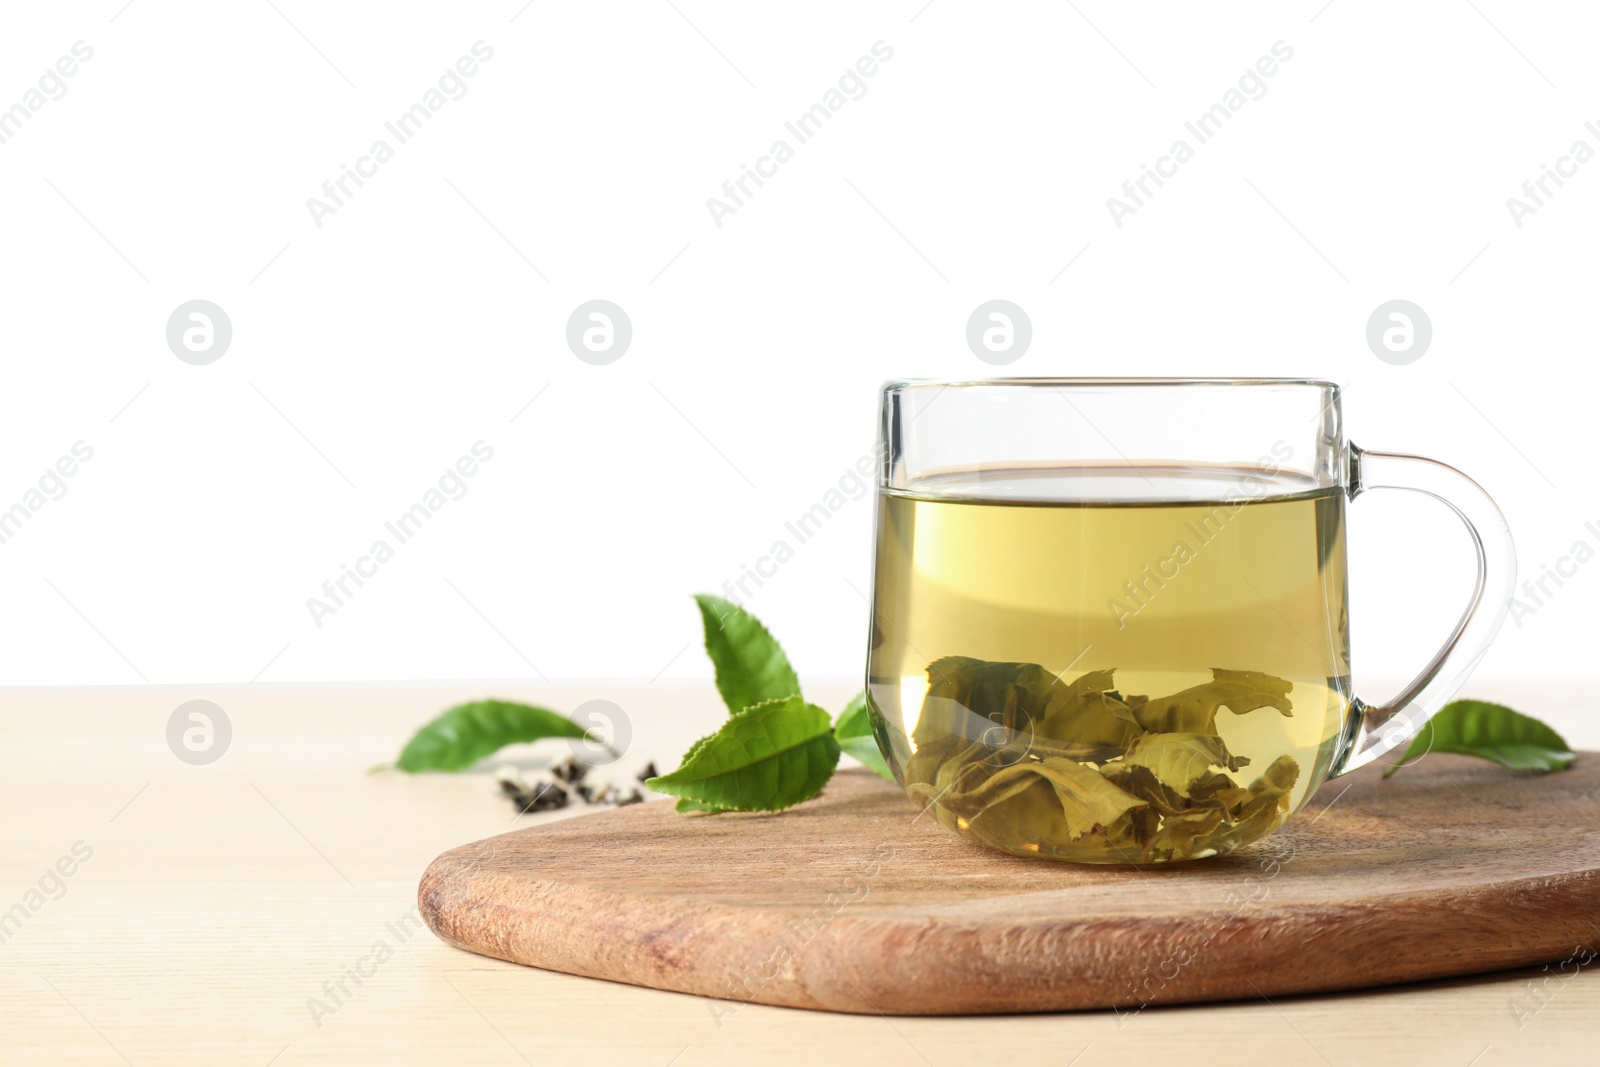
(1375, 729)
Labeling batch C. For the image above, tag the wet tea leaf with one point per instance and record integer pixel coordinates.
(1178, 759)
(970, 697)
(1194, 711)
(767, 757)
(1162, 798)
(464, 734)
(967, 697)
(1182, 834)
(1494, 732)
(751, 666)
(1089, 713)
(1268, 802)
(853, 731)
(1216, 788)
(1024, 760)
(1088, 799)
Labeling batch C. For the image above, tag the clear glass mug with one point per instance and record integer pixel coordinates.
(1109, 617)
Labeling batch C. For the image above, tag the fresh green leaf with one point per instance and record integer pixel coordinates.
(468, 732)
(767, 757)
(751, 667)
(686, 806)
(1494, 732)
(853, 731)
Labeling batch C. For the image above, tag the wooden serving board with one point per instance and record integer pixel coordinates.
(852, 902)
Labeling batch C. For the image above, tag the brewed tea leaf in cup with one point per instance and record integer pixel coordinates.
(1057, 782)
(1178, 759)
(1194, 711)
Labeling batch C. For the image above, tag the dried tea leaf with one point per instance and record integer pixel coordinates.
(1194, 711)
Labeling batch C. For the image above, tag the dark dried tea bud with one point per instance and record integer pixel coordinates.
(569, 769)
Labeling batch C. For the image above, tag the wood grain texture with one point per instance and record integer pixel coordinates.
(854, 903)
(214, 907)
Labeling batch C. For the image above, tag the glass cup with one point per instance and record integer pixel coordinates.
(1110, 618)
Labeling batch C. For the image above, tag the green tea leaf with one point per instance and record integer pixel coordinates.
(1089, 712)
(968, 697)
(751, 667)
(1021, 758)
(1494, 732)
(767, 757)
(686, 806)
(1178, 759)
(1267, 804)
(853, 731)
(1182, 834)
(1194, 711)
(1085, 797)
(463, 735)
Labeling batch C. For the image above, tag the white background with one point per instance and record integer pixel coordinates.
(370, 353)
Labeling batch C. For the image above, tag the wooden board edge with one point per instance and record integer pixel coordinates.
(685, 948)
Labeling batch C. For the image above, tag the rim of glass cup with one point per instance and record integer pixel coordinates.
(1331, 455)
(950, 383)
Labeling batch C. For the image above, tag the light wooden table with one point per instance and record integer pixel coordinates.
(219, 900)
